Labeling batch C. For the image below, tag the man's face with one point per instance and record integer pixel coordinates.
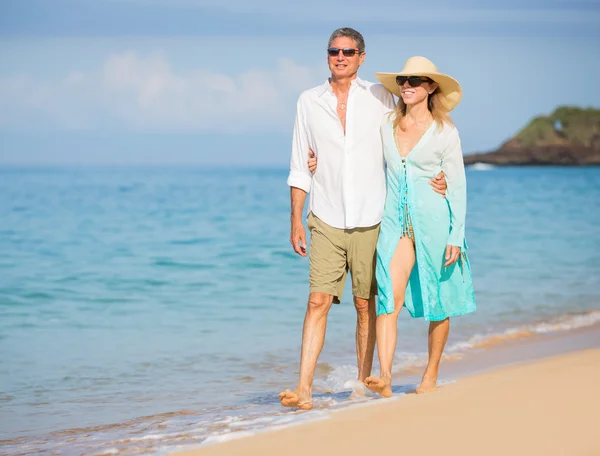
(340, 65)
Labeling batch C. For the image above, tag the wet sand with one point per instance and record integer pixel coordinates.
(537, 407)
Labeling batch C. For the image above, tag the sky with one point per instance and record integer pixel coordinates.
(204, 82)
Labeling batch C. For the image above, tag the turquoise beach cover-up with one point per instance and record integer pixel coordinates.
(433, 291)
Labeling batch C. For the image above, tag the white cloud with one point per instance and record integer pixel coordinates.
(146, 92)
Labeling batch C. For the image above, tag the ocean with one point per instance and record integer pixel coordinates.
(145, 309)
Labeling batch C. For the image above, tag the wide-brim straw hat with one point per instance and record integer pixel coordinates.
(450, 89)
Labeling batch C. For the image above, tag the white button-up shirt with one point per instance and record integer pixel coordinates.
(348, 188)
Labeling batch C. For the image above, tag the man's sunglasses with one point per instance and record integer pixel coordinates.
(413, 81)
(348, 52)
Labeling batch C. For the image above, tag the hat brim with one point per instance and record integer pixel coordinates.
(450, 89)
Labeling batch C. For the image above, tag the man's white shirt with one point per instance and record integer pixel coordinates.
(348, 188)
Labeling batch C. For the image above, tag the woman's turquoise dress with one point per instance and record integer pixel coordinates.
(434, 292)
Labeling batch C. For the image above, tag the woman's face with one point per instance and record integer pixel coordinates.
(415, 95)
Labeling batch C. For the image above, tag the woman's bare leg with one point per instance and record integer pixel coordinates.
(438, 335)
(401, 266)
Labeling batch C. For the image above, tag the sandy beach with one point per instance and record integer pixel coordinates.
(544, 407)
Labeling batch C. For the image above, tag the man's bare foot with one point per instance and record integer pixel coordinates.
(296, 399)
(428, 385)
(382, 386)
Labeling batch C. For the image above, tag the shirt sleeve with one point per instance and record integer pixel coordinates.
(385, 97)
(456, 193)
(388, 101)
(300, 175)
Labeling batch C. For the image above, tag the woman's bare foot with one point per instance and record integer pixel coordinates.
(428, 385)
(296, 399)
(381, 385)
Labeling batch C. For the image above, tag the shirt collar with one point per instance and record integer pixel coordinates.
(326, 87)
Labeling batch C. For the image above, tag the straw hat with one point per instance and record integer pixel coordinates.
(450, 89)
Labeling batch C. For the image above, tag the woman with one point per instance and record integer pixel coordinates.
(421, 251)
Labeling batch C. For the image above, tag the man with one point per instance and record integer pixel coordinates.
(340, 122)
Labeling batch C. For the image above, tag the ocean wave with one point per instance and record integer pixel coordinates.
(561, 323)
(340, 378)
(481, 166)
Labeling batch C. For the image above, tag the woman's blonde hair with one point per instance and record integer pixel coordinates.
(436, 107)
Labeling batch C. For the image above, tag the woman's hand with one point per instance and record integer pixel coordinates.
(452, 254)
(312, 161)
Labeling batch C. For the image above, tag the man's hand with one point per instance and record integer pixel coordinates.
(312, 161)
(452, 254)
(298, 238)
(439, 184)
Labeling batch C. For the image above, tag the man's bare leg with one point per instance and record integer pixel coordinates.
(365, 335)
(401, 266)
(438, 335)
(313, 337)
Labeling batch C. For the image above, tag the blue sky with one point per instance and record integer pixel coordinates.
(196, 82)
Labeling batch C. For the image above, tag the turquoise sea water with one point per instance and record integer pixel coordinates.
(155, 307)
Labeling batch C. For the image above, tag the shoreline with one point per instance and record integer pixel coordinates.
(542, 406)
(189, 429)
(523, 347)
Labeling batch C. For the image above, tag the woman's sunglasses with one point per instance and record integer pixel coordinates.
(348, 52)
(413, 81)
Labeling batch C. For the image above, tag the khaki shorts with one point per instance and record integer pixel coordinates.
(334, 251)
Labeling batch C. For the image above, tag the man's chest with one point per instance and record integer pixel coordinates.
(357, 122)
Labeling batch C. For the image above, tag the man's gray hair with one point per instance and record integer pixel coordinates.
(350, 33)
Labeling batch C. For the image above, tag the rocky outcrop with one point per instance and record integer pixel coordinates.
(569, 136)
